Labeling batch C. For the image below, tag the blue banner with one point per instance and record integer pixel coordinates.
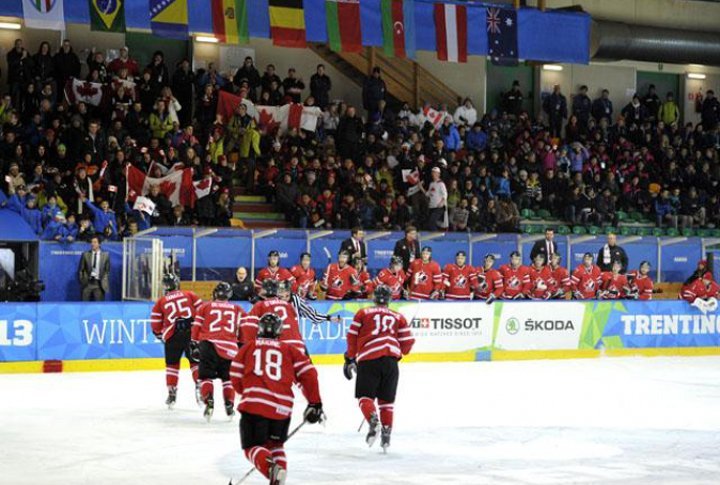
(678, 261)
(18, 332)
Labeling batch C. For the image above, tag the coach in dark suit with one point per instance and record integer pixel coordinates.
(546, 246)
(355, 246)
(408, 248)
(94, 272)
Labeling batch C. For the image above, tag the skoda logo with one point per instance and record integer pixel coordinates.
(512, 326)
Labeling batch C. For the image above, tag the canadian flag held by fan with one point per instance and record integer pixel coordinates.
(177, 185)
(77, 91)
(292, 115)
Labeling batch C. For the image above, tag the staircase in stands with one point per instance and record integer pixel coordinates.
(255, 212)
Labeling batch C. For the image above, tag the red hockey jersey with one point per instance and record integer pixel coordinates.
(338, 281)
(561, 280)
(268, 273)
(366, 284)
(459, 282)
(613, 287)
(305, 281)
(291, 329)
(394, 281)
(218, 322)
(263, 373)
(174, 305)
(586, 281)
(489, 282)
(697, 289)
(424, 279)
(643, 285)
(516, 281)
(541, 283)
(378, 332)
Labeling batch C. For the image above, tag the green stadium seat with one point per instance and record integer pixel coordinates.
(526, 228)
(527, 214)
(593, 230)
(645, 231)
(715, 233)
(610, 229)
(704, 232)
(672, 232)
(579, 230)
(563, 230)
(622, 216)
(627, 231)
(636, 216)
(544, 214)
(658, 232)
(688, 232)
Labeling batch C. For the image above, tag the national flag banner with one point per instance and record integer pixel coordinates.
(502, 32)
(169, 18)
(177, 185)
(230, 21)
(44, 14)
(228, 103)
(398, 26)
(203, 187)
(269, 118)
(451, 32)
(107, 15)
(434, 116)
(144, 204)
(343, 25)
(287, 23)
(77, 91)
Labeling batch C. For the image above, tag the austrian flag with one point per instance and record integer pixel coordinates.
(451, 32)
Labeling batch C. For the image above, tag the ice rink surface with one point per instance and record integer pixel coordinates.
(620, 420)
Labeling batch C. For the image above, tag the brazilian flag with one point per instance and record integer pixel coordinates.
(107, 15)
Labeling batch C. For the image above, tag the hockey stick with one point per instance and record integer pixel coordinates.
(327, 253)
(250, 471)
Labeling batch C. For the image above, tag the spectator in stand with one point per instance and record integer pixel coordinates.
(66, 63)
(124, 62)
(293, 86)
(465, 114)
(582, 107)
(183, 82)
(349, 135)
(437, 195)
(320, 86)
(669, 112)
(555, 107)
(665, 211)
(242, 286)
(512, 100)
(652, 104)
(602, 107)
(634, 112)
(248, 72)
(610, 253)
(710, 112)
(373, 91)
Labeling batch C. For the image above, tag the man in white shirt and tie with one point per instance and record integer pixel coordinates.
(546, 246)
(94, 272)
(355, 245)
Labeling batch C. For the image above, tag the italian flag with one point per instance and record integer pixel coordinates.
(398, 25)
(343, 25)
(230, 21)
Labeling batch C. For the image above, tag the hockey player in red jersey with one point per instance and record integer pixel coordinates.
(282, 308)
(490, 281)
(214, 343)
(366, 284)
(377, 339)
(516, 278)
(340, 281)
(273, 271)
(586, 279)
(393, 277)
(541, 279)
(305, 279)
(425, 276)
(263, 373)
(561, 282)
(640, 282)
(703, 288)
(170, 319)
(459, 278)
(613, 285)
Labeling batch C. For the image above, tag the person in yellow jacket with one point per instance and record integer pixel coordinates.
(161, 122)
(669, 112)
(5, 109)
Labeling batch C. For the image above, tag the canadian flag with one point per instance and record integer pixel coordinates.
(177, 185)
(77, 91)
(203, 187)
(292, 115)
(434, 116)
(451, 32)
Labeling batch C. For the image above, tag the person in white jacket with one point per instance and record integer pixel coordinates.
(465, 114)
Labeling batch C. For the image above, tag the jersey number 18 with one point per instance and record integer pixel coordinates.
(272, 365)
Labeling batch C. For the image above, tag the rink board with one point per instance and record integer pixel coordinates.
(52, 337)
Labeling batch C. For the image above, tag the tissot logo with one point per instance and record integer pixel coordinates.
(446, 323)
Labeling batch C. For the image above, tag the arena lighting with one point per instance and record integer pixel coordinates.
(10, 26)
(552, 67)
(207, 39)
(696, 75)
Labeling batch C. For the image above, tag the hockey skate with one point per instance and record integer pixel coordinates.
(385, 438)
(172, 397)
(198, 394)
(372, 435)
(230, 409)
(209, 407)
(277, 474)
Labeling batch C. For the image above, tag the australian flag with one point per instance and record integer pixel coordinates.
(502, 32)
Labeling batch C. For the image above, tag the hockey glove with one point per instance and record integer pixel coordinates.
(435, 295)
(491, 298)
(194, 350)
(313, 413)
(349, 368)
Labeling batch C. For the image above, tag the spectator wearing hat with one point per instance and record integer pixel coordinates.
(512, 100)
(408, 248)
(611, 253)
(581, 107)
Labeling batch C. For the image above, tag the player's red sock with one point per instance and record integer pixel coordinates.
(206, 389)
(260, 457)
(387, 409)
(367, 406)
(194, 372)
(172, 372)
(278, 453)
(228, 392)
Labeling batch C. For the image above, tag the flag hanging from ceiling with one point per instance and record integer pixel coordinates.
(44, 14)
(230, 21)
(343, 25)
(287, 22)
(398, 27)
(169, 18)
(107, 15)
(502, 32)
(451, 32)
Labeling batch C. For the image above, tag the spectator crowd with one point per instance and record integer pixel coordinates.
(583, 161)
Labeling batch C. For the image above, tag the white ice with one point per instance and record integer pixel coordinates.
(642, 420)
